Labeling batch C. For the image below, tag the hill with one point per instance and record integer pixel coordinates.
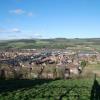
(58, 43)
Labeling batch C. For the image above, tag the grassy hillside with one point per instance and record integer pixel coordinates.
(72, 89)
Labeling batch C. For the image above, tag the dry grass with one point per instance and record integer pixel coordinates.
(91, 69)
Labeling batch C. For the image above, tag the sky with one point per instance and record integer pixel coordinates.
(21, 19)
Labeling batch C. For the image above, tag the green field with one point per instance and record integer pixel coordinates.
(71, 89)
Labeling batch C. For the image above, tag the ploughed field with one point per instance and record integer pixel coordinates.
(40, 89)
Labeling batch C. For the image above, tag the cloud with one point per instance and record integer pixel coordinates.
(13, 30)
(17, 11)
(36, 35)
(21, 11)
(30, 14)
(1, 30)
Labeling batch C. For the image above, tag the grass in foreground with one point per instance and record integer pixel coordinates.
(72, 89)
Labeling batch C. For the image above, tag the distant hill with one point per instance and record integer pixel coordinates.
(59, 43)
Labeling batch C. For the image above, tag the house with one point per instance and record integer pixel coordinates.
(72, 69)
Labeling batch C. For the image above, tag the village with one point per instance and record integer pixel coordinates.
(44, 63)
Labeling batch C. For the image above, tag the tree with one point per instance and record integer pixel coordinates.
(54, 73)
(2, 74)
(83, 64)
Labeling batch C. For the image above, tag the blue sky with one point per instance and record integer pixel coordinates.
(49, 19)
